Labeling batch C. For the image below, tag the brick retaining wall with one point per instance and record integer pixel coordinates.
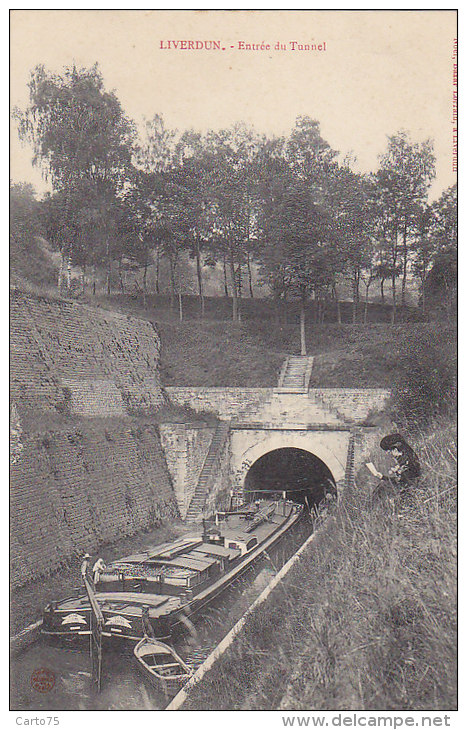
(77, 482)
(62, 351)
(74, 489)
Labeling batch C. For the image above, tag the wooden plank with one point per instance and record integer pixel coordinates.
(95, 639)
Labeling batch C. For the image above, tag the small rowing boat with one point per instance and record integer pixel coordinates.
(160, 663)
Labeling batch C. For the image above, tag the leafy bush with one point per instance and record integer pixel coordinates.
(426, 386)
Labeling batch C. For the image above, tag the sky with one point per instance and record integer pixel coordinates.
(379, 72)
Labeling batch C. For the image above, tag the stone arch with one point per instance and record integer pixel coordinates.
(298, 440)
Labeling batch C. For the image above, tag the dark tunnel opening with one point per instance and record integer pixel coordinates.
(302, 475)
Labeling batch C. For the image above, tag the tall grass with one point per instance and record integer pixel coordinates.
(367, 620)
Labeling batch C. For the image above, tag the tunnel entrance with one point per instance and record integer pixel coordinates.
(299, 473)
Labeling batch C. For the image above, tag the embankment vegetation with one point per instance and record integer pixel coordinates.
(215, 352)
(367, 619)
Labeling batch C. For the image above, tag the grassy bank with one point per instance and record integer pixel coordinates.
(251, 355)
(215, 352)
(367, 620)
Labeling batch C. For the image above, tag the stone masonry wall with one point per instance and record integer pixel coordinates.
(228, 403)
(84, 470)
(352, 404)
(74, 489)
(219, 495)
(185, 448)
(69, 357)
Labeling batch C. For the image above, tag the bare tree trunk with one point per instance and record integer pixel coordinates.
(239, 291)
(423, 278)
(285, 309)
(145, 284)
(338, 305)
(238, 276)
(68, 273)
(122, 285)
(302, 327)
(323, 311)
(180, 306)
(199, 274)
(94, 280)
(404, 264)
(109, 266)
(173, 287)
(61, 272)
(393, 310)
(355, 298)
(234, 285)
(157, 268)
(250, 283)
(365, 311)
(226, 290)
(382, 290)
(394, 256)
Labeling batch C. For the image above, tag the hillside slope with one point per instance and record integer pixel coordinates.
(367, 619)
(214, 352)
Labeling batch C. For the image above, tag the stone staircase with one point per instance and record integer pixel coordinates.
(354, 442)
(208, 471)
(283, 408)
(295, 375)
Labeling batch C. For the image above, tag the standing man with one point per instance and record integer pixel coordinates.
(85, 565)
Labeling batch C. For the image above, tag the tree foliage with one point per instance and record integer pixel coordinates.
(233, 197)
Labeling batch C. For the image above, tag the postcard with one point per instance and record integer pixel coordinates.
(233, 312)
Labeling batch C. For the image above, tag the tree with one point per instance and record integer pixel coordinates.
(192, 189)
(435, 244)
(174, 191)
(401, 187)
(440, 285)
(25, 227)
(298, 251)
(234, 153)
(25, 219)
(310, 157)
(299, 234)
(274, 179)
(350, 197)
(443, 222)
(83, 143)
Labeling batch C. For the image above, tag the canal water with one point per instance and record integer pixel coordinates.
(123, 686)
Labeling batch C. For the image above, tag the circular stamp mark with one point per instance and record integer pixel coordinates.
(43, 680)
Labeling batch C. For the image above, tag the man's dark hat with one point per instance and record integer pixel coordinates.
(391, 441)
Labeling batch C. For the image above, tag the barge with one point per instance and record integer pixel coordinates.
(172, 582)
